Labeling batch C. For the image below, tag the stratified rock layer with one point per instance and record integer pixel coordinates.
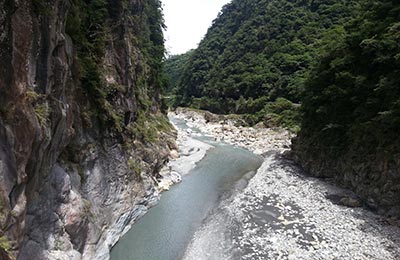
(79, 157)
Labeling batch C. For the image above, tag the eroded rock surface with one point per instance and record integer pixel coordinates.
(82, 133)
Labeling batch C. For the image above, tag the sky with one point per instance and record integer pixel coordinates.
(187, 22)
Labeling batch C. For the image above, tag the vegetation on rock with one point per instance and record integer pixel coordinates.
(90, 24)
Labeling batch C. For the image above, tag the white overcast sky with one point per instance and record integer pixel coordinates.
(187, 22)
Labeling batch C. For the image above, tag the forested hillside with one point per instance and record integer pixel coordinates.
(337, 60)
(351, 105)
(173, 67)
(257, 51)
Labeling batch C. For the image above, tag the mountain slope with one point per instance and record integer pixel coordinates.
(257, 51)
(339, 59)
(173, 67)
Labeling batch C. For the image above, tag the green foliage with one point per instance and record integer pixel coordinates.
(279, 113)
(142, 129)
(282, 112)
(135, 166)
(173, 68)
(352, 97)
(32, 96)
(42, 112)
(5, 243)
(257, 51)
(147, 127)
(96, 25)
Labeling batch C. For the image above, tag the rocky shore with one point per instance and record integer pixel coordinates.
(282, 213)
(190, 151)
(183, 160)
(257, 139)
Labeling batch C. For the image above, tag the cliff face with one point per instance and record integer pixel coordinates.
(82, 134)
(373, 175)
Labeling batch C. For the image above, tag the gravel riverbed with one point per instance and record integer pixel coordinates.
(256, 139)
(284, 214)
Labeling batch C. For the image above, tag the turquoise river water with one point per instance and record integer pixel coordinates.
(166, 230)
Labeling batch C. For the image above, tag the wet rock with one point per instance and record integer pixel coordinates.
(372, 204)
(350, 202)
(394, 212)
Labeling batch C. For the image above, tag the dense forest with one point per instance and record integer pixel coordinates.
(351, 105)
(173, 67)
(354, 90)
(255, 57)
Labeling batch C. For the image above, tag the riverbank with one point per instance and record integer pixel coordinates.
(189, 152)
(166, 230)
(283, 214)
(259, 140)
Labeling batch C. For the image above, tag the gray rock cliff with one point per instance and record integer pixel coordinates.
(82, 131)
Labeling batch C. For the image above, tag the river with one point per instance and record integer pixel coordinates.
(166, 230)
(221, 211)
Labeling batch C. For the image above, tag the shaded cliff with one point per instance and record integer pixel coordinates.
(82, 131)
(351, 106)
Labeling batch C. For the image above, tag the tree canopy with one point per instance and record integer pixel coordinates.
(353, 94)
(257, 51)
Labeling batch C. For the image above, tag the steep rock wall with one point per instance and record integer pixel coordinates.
(82, 133)
(373, 175)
